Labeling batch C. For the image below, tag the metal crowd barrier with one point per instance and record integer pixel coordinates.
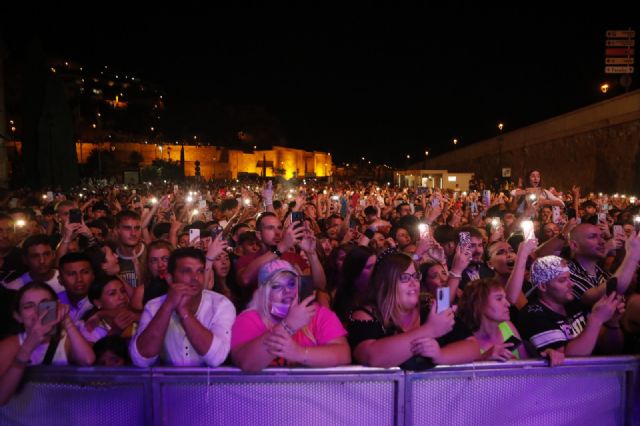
(584, 391)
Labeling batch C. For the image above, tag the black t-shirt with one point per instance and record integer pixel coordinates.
(544, 328)
(359, 331)
(157, 287)
(12, 266)
(475, 272)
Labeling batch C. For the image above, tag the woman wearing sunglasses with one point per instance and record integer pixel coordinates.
(400, 328)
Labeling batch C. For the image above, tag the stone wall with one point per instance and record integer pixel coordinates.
(597, 147)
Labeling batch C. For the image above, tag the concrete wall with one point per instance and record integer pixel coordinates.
(597, 147)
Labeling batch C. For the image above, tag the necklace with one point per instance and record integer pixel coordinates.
(135, 255)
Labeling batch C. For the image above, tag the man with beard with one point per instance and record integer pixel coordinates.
(39, 258)
(588, 249)
(130, 246)
(477, 268)
(189, 326)
(274, 243)
(557, 325)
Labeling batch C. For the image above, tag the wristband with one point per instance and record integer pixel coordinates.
(612, 327)
(287, 328)
(209, 259)
(454, 275)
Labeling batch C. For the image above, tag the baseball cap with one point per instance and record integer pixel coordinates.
(270, 269)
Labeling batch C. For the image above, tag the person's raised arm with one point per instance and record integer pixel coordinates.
(585, 342)
(308, 245)
(516, 278)
(291, 236)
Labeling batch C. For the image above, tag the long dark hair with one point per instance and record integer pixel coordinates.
(348, 295)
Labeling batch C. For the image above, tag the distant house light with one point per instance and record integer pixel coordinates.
(452, 178)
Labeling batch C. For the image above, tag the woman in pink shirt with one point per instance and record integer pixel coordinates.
(278, 329)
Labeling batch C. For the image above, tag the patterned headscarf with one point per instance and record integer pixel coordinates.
(546, 269)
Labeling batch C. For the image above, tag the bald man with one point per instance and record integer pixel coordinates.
(588, 249)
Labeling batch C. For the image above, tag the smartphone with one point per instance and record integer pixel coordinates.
(194, 235)
(75, 216)
(369, 233)
(618, 232)
(424, 230)
(442, 299)
(51, 307)
(202, 204)
(636, 223)
(215, 231)
(133, 191)
(527, 230)
(305, 288)
(465, 239)
(297, 217)
(602, 217)
(175, 189)
(49, 196)
(486, 198)
(555, 212)
(435, 202)
(474, 207)
(612, 285)
(508, 336)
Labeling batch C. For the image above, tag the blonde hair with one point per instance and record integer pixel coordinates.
(260, 299)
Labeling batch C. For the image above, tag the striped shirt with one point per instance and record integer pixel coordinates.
(582, 280)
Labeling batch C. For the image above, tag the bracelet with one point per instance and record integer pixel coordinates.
(287, 328)
(454, 275)
(612, 328)
(209, 259)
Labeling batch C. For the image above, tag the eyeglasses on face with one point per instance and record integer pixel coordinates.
(405, 277)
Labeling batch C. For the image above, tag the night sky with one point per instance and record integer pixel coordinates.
(377, 82)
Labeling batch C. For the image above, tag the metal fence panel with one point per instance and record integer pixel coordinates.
(296, 399)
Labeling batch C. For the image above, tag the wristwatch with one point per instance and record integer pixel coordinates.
(275, 251)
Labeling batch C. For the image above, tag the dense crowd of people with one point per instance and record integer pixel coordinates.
(255, 275)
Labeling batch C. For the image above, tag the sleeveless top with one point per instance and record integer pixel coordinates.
(37, 356)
